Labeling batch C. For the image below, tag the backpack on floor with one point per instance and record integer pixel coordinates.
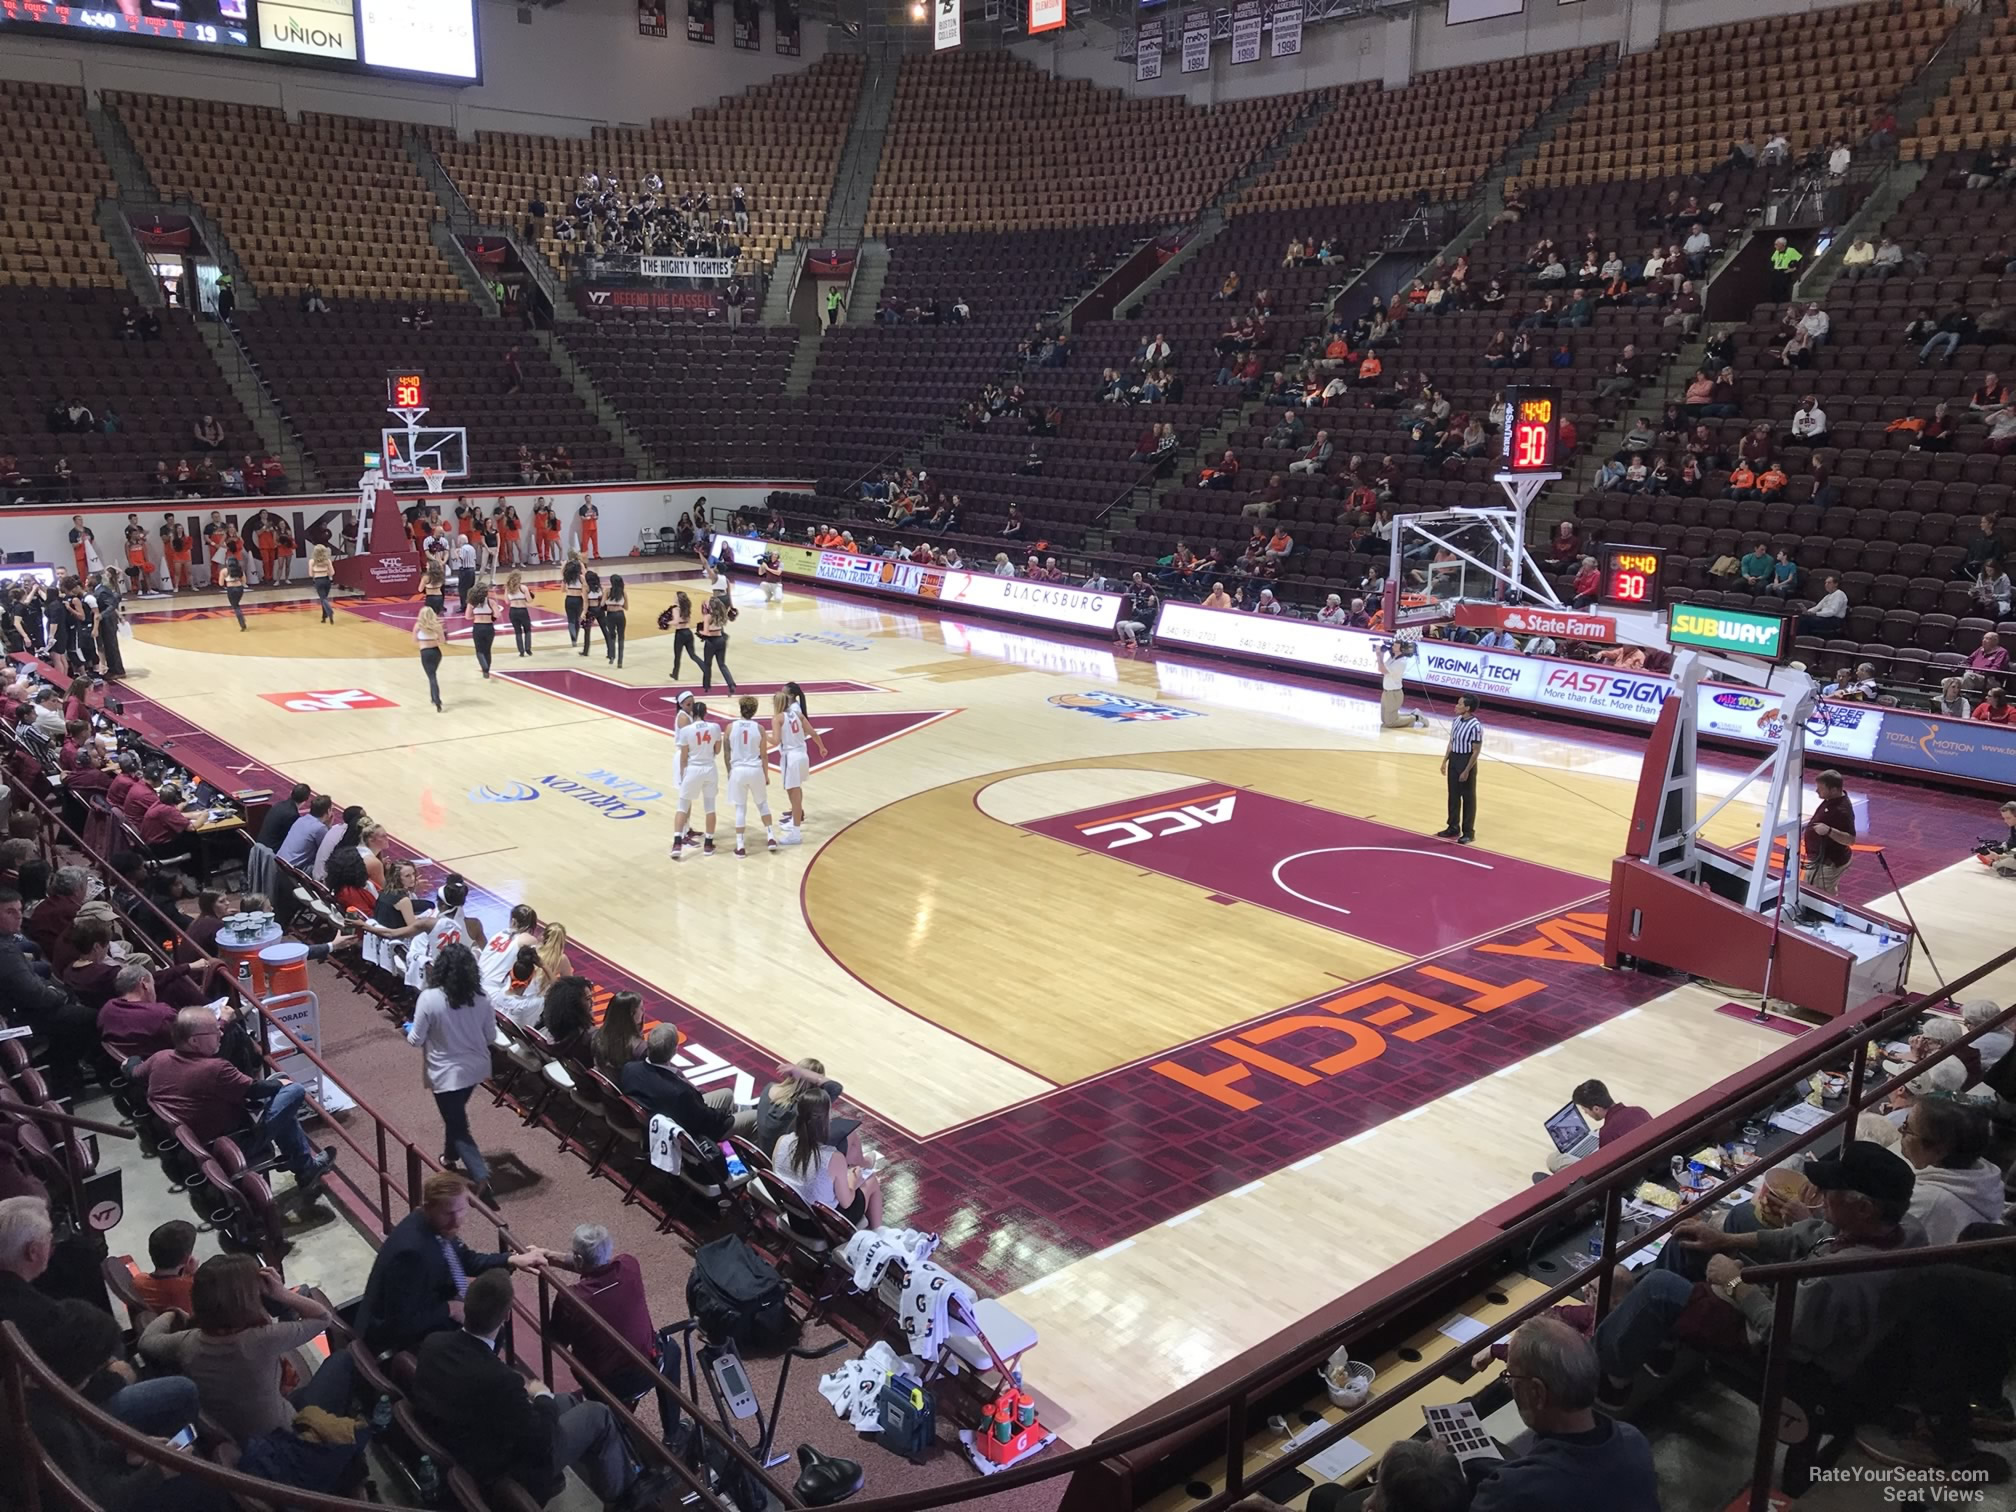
(735, 1294)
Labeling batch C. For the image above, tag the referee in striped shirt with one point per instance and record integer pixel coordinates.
(1459, 765)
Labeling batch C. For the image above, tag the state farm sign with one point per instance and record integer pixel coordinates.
(1526, 619)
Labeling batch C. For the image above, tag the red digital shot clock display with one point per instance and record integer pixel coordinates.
(406, 391)
(1632, 576)
(1532, 430)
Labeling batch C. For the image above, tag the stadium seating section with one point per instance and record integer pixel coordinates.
(1979, 106)
(51, 175)
(65, 345)
(328, 372)
(1680, 106)
(780, 141)
(1436, 137)
(328, 200)
(983, 141)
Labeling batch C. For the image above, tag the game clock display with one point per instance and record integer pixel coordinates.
(1631, 576)
(196, 23)
(1532, 430)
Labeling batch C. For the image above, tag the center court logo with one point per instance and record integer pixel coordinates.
(610, 795)
(1119, 706)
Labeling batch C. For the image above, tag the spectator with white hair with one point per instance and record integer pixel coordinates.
(1996, 1043)
(1945, 1139)
(1949, 1076)
(27, 1241)
(612, 1288)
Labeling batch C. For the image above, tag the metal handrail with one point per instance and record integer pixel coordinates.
(417, 1164)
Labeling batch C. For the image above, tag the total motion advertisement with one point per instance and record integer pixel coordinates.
(1952, 749)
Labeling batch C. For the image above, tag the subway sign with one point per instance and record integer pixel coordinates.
(1737, 631)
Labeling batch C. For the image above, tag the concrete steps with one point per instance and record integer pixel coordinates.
(642, 464)
(462, 221)
(861, 156)
(783, 285)
(140, 279)
(276, 432)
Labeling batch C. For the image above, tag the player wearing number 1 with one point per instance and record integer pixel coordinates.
(748, 773)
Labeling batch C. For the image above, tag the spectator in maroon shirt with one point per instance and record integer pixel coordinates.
(57, 911)
(1989, 659)
(1613, 1119)
(164, 818)
(135, 1022)
(139, 798)
(191, 1084)
(1830, 834)
(123, 784)
(611, 1287)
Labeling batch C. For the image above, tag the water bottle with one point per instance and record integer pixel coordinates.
(427, 1481)
(1679, 1168)
(736, 1170)
(1840, 916)
(381, 1415)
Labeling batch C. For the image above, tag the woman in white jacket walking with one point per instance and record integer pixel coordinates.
(453, 1022)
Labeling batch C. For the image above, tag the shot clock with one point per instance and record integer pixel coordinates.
(406, 391)
(1532, 430)
(1631, 576)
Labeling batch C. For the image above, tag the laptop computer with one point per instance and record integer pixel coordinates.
(1571, 1133)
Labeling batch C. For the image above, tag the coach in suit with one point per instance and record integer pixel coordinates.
(423, 1269)
(497, 1423)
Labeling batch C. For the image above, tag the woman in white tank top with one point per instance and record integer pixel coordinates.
(823, 1175)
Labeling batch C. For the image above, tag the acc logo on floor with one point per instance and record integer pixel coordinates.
(1120, 706)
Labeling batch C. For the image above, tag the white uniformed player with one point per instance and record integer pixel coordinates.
(699, 745)
(790, 728)
(679, 722)
(748, 774)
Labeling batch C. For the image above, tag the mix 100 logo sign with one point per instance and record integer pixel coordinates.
(610, 795)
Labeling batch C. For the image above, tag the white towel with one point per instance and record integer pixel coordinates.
(661, 1144)
(855, 1389)
(871, 1252)
(928, 1295)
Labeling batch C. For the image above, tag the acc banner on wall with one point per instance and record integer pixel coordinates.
(787, 27)
(945, 33)
(749, 25)
(699, 20)
(1148, 50)
(1288, 29)
(1196, 41)
(651, 18)
(1246, 16)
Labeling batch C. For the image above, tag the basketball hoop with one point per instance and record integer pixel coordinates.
(433, 477)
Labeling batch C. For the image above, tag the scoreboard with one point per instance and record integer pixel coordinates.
(1532, 439)
(407, 390)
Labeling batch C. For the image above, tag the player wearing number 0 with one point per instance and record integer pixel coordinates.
(749, 773)
(699, 779)
(790, 729)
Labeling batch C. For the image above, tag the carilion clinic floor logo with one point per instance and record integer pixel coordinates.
(609, 794)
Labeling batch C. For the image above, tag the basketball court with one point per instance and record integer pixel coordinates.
(1139, 967)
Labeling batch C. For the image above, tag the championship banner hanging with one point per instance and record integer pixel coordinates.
(651, 18)
(749, 25)
(1246, 15)
(699, 20)
(1288, 29)
(1196, 41)
(686, 267)
(1148, 50)
(787, 27)
(946, 31)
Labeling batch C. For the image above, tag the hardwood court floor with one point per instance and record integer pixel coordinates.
(1094, 1072)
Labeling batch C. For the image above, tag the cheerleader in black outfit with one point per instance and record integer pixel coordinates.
(234, 587)
(714, 641)
(592, 615)
(430, 637)
(570, 582)
(518, 598)
(678, 618)
(614, 615)
(483, 622)
(434, 590)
